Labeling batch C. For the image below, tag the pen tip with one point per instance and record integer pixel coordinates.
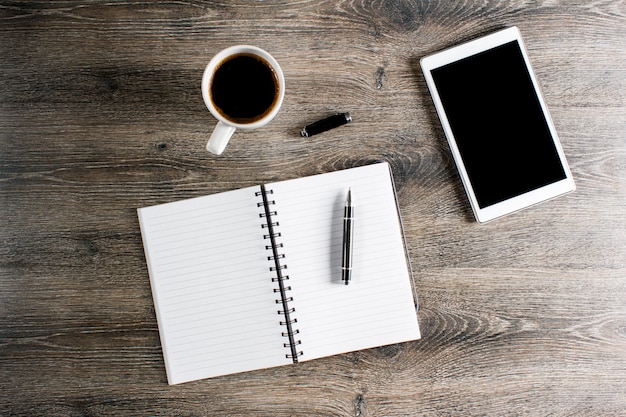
(349, 195)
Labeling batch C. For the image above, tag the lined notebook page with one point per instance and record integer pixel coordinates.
(377, 308)
(211, 285)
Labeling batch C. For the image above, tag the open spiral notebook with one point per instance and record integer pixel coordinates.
(251, 278)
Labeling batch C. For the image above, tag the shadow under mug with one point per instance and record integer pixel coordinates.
(226, 126)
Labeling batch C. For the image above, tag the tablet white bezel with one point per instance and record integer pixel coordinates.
(519, 202)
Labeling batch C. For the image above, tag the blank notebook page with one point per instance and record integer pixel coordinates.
(211, 285)
(214, 294)
(377, 307)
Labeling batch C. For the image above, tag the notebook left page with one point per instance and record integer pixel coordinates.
(212, 287)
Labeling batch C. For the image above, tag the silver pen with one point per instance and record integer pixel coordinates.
(348, 229)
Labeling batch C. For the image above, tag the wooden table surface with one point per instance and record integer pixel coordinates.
(101, 113)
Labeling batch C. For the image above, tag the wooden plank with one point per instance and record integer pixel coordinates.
(101, 113)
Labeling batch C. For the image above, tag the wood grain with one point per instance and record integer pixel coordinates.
(101, 113)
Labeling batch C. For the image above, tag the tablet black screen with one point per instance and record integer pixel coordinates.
(499, 127)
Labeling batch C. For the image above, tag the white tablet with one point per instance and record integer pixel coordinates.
(497, 124)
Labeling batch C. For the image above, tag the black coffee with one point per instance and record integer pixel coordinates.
(244, 88)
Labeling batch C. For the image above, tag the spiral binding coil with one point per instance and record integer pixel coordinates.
(287, 312)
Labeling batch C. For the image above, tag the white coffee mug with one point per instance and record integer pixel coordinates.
(236, 90)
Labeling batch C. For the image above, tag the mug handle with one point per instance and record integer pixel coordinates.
(219, 138)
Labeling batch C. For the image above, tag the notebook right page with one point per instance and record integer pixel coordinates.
(377, 307)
